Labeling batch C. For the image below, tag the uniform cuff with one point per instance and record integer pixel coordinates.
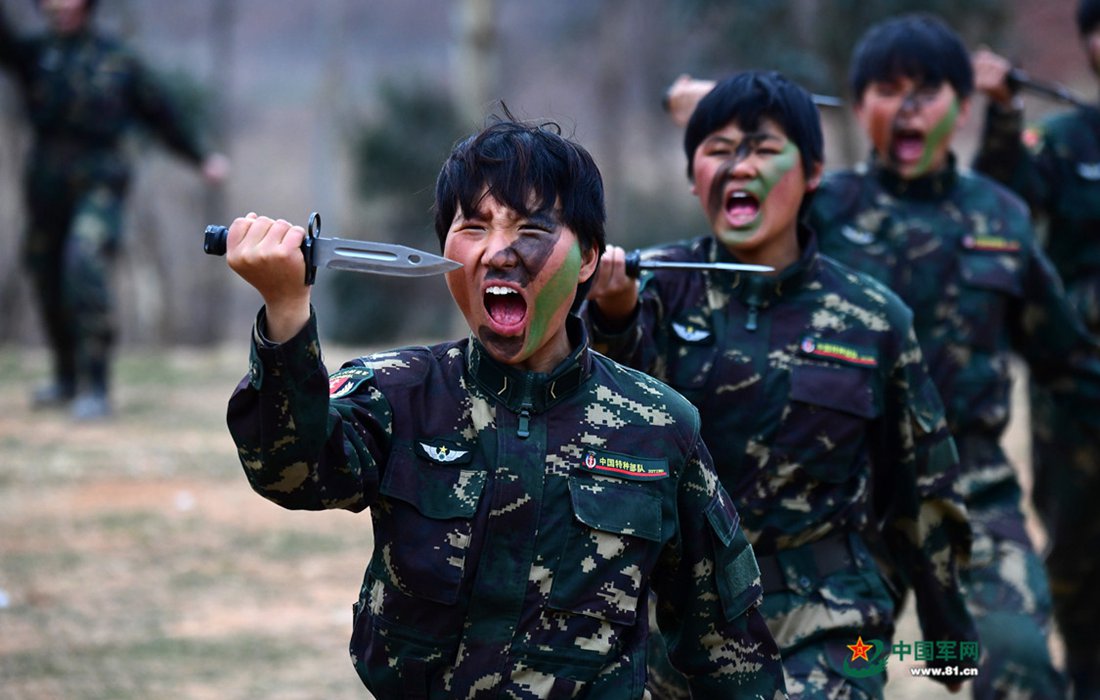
(291, 362)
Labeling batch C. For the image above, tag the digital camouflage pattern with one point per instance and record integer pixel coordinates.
(82, 94)
(1055, 166)
(829, 437)
(521, 520)
(958, 249)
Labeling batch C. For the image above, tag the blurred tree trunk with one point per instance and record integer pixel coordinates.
(207, 313)
(477, 71)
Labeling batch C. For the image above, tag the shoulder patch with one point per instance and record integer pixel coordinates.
(344, 381)
(443, 451)
(625, 466)
(850, 354)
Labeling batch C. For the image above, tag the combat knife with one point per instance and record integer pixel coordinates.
(635, 264)
(346, 254)
(1018, 79)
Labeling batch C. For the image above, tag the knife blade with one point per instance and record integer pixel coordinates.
(635, 264)
(348, 254)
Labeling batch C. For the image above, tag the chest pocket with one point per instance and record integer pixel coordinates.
(613, 541)
(990, 276)
(825, 429)
(425, 522)
(692, 350)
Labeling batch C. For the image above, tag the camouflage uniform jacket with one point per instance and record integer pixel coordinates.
(82, 94)
(520, 519)
(813, 396)
(1055, 167)
(958, 249)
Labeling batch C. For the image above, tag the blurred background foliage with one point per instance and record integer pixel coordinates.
(348, 108)
(398, 154)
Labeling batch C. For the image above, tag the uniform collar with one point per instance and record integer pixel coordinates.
(518, 389)
(931, 186)
(759, 290)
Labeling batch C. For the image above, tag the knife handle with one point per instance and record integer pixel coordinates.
(214, 242)
(633, 262)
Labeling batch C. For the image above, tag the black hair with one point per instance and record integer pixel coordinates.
(1088, 16)
(917, 46)
(531, 169)
(751, 96)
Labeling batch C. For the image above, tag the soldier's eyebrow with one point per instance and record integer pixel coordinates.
(546, 218)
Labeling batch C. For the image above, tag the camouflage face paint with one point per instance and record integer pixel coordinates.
(937, 138)
(558, 292)
(922, 103)
(773, 168)
(524, 262)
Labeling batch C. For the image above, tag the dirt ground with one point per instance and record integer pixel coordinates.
(136, 563)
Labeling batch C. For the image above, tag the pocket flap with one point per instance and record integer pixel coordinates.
(436, 491)
(837, 387)
(992, 269)
(624, 509)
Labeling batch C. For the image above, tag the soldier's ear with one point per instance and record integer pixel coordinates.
(590, 258)
(964, 112)
(815, 176)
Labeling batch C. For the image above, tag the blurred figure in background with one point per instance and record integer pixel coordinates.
(1055, 166)
(83, 92)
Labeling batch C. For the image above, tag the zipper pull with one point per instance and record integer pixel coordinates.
(524, 428)
(750, 322)
(753, 302)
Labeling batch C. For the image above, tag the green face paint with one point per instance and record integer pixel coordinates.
(936, 138)
(772, 170)
(559, 290)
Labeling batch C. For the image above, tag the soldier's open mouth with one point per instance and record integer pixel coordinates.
(908, 145)
(741, 208)
(505, 306)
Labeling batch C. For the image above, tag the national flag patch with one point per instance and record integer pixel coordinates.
(993, 244)
(625, 466)
(815, 347)
(344, 381)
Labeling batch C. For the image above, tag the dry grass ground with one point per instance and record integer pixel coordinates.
(136, 563)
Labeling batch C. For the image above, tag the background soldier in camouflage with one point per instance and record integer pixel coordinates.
(826, 429)
(527, 494)
(1055, 167)
(83, 92)
(958, 249)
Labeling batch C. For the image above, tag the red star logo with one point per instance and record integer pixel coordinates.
(859, 650)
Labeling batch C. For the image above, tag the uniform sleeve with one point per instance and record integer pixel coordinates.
(638, 344)
(1004, 156)
(1051, 336)
(298, 448)
(160, 112)
(708, 590)
(926, 526)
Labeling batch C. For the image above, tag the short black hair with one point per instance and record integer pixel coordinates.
(917, 46)
(530, 168)
(1088, 16)
(751, 96)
